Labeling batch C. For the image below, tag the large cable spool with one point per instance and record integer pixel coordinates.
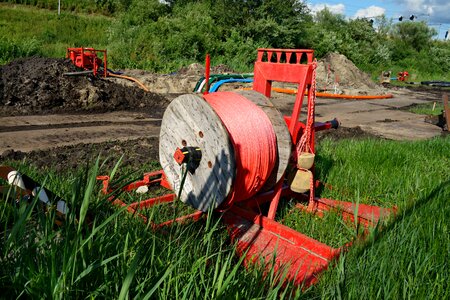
(238, 145)
(284, 143)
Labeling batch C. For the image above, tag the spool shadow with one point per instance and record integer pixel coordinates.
(208, 191)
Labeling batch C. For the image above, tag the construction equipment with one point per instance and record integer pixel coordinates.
(402, 76)
(385, 77)
(235, 154)
(87, 58)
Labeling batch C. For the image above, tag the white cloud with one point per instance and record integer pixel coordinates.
(334, 8)
(370, 12)
(434, 11)
(413, 5)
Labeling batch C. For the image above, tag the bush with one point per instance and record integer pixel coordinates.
(165, 35)
(239, 52)
(166, 43)
(11, 49)
(106, 7)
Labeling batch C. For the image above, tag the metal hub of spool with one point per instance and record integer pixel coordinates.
(191, 128)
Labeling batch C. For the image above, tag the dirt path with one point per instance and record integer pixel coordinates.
(64, 141)
(27, 133)
(386, 118)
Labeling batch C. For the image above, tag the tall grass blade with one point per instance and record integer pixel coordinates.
(87, 194)
(116, 167)
(158, 283)
(223, 286)
(129, 278)
(92, 267)
(18, 228)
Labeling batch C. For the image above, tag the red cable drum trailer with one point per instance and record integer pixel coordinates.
(199, 164)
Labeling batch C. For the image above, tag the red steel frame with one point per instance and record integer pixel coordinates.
(149, 179)
(87, 59)
(259, 237)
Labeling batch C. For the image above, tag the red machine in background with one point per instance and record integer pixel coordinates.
(402, 76)
(87, 58)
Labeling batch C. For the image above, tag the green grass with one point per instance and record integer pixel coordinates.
(119, 256)
(28, 31)
(434, 109)
(106, 7)
(410, 257)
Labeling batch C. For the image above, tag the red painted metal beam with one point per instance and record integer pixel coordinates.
(266, 71)
(367, 215)
(264, 241)
(153, 201)
(196, 216)
(207, 71)
(149, 179)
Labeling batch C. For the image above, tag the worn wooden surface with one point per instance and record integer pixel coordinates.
(190, 121)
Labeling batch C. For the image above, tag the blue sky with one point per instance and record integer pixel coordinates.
(435, 12)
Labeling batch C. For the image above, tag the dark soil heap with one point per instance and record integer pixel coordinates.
(37, 85)
(70, 158)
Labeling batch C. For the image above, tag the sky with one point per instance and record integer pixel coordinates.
(436, 13)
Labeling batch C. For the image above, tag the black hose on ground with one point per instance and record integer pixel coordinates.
(79, 73)
(436, 83)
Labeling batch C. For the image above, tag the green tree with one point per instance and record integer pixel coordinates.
(328, 34)
(280, 23)
(163, 35)
(415, 34)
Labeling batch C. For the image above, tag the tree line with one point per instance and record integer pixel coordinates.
(165, 35)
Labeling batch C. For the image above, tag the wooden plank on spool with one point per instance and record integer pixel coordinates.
(190, 121)
(284, 144)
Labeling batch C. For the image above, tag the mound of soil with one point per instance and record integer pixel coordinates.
(344, 133)
(181, 82)
(197, 69)
(175, 83)
(194, 69)
(336, 70)
(136, 153)
(38, 85)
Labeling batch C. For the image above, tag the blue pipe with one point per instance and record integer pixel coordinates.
(216, 85)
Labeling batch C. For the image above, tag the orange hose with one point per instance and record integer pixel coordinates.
(327, 95)
(354, 97)
(130, 78)
(284, 91)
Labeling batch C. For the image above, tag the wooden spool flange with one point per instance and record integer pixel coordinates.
(190, 121)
